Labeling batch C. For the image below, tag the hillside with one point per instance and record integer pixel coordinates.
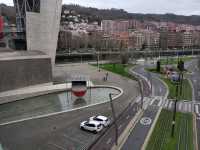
(94, 14)
(99, 14)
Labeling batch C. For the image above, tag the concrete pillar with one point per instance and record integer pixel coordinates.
(42, 28)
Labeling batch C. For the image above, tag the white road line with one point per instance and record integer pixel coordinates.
(119, 127)
(127, 117)
(170, 104)
(197, 109)
(160, 102)
(138, 100)
(166, 103)
(152, 101)
(109, 141)
(60, 147)
(190, 107)
(180, 106)
(185, 107)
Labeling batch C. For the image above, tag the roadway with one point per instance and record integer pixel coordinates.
(195, 79)
(108, 139)
(138, 135)
(62, 131)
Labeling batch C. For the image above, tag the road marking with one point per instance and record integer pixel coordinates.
(127, 117)
(120, 126)
(109, 141)
(166, 103)
(197, 110)
(180, 106)
(60, 147)
(152, 101)
(160, 102)
(160, 89)
(190, 107)
(185, 107)
(194, 80)
(137, 100)
(170, 104)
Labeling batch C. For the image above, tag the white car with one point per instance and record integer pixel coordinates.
(101, 119)
(92, 126)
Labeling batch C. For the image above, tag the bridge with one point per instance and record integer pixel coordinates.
(131, 53)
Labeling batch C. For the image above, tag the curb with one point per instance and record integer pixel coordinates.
(195, 132)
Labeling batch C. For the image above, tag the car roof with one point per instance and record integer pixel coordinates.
(101, 117)
(94, 122)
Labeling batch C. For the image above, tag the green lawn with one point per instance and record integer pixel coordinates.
(118, 69)
(171, 61)
(161, 137)
(186, 90)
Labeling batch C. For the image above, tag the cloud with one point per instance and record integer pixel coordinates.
(182, 7)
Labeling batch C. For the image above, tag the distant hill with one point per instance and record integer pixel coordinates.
(99, 14)
(94, 14)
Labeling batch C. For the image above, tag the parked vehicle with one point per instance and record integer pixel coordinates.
(101, 119)
(92, 126)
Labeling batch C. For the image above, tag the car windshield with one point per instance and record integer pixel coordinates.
(98, 119)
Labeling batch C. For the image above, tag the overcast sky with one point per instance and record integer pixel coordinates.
(181, 7)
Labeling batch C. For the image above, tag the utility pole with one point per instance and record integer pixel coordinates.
(141, 92)
(177, 98)
(114, 117)
(174, 112)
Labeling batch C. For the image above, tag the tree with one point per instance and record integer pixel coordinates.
(124, 58)
(180, 65)
(158, 66)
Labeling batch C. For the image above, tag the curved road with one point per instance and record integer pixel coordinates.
(138, 135)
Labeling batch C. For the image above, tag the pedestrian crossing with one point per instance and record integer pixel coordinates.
(197, 110)
(182, 106)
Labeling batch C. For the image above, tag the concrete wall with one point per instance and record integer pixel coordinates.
(42, 28)
(19, 73)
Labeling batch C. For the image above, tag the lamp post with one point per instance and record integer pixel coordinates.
(174, 112)
(141, 92)
(114, 117)
(177, 98)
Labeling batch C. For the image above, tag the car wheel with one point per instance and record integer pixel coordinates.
(95, 131)
(82, 128)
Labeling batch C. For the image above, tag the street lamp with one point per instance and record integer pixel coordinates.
(177, 98)
(174, 112)
(141, 92)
